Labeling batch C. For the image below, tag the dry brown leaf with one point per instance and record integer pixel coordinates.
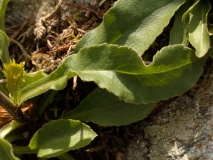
(5, 117)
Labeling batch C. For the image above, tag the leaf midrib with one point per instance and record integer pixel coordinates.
(132, 73)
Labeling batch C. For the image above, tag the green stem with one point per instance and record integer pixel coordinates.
(23, 150)
(65, 156)
(12, 137)
(45, 101)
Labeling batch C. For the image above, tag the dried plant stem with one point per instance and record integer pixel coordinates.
(22, 26)
(85, 8)
(20, 46)
(51, 15)
(14, 111)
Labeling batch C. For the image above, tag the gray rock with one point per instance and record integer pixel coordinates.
(184, 129)
(19, 10)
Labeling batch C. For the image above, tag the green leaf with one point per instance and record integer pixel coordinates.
(198, 31)
(121, 71)
(186, 14)
(134, 23)
(105, 109)
(60, 136)
(3, 87)
(4, 55)
(14, 124)
(6, 151)
(14, 136)
(30, 78)
(3, 7)
(179, 32)
(40, 83)
(65, 156)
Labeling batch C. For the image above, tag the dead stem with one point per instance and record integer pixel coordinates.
(100, 16)
(20, 46)
(51, 15)
(14, 111)
(22, 26)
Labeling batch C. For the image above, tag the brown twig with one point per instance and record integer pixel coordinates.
(22, 26)
(60, 49)
(20, 46)
(51, 15)
(14, 111)
(85, 8)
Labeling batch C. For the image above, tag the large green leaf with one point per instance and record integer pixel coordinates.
(105, 109)
(60, 136)
(198, 31)
(121, 71)
(134, 23)
(6, 151)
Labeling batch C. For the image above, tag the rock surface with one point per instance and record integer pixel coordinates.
(19, 10)
(183, 129)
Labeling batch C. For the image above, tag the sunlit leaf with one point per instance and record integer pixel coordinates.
(121, 71)
(40, 83)
(186, 14)
(60, 136)
(179, 32)
(133, 23)
(198, 31)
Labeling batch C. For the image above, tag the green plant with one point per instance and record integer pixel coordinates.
(110, 55)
